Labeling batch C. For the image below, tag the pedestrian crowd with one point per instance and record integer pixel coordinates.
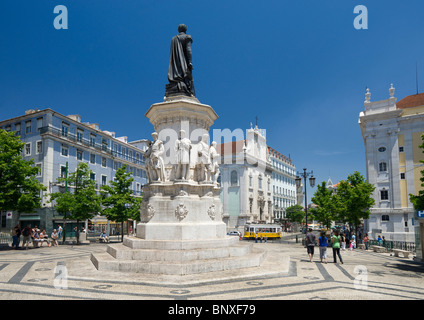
(35, 236)
(337, 241)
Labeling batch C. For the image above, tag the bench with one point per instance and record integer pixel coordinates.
(379, 249)
(404, 253)
(361, 246)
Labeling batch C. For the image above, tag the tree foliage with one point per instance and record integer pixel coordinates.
(81, 202)
(19, 188)
(119, 203)
(328, 205)
(355, 199)
(295, 213)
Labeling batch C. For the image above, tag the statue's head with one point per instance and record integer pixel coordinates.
(154, 136)
(182, 134)
(182, 28)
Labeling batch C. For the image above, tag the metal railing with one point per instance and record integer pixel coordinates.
(5, 238)
(89, 144)
(390, 245)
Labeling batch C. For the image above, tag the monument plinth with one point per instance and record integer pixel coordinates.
(181, 229)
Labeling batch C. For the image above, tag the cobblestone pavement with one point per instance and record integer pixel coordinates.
(38, 272)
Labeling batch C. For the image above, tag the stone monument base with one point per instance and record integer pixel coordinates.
(177, 257)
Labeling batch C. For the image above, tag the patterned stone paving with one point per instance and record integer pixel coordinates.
(66, 272)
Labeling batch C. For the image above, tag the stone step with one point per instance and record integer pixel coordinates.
(105, 262)
(137, 243)
(122, 252)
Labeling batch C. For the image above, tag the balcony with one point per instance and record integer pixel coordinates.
(70, 137)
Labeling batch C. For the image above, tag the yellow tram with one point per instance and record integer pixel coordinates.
(271, 231)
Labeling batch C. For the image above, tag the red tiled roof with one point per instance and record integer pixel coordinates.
(233, 147)
(412, 101)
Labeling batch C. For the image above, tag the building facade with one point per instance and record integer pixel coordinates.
(284, 193)
(391, 133)
(56, 142)
(257, 182)
(245, 178)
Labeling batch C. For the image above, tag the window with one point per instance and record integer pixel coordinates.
(92, 158)
(385, 217)
(384, 195)
(62, 171)
(401, 149)
(250, 181)
(92, 140)
(382, 166)
(115, 149)
(79, 155)
(28, 127)
(115, 165)
(39, 174)
(93, 176)
(65, 150)
(104, 144)
(28, 149)
(382, 149)
(104, 182)
(39, 123)
(65, 129)
(104, 162)
(39, 147)
(260, 182)
(402, 175)
(234, 178)
(80, 135)
(18, 129)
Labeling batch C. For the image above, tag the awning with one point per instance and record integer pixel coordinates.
(29, 218)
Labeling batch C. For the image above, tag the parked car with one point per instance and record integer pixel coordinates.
(234, 233)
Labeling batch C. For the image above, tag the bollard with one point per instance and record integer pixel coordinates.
(297, 240)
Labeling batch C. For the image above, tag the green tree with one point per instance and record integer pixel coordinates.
(418, 200)
(118, 200)
(81, 204)
(295, 213)
(355, 199)
(327, 205)
(19, 188)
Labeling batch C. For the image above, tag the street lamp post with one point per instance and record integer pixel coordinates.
(299, 177)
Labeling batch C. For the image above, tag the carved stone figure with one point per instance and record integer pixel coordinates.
(214, 167)
(181, 211)
(180, 65)
(182, 150)
(155, 159)
(203, 160)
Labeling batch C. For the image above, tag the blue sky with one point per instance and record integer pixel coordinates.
(300, 66)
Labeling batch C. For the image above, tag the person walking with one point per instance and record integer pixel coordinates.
(343, 238)
(27, 233)
(310, 242)
(380, 241)
(366, 239)
(335, 241)
(59, 231)
(323, 247)
(16, 236)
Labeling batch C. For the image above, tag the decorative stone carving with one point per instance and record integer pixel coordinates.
(182, 151)
(203, 160)
(154, 160)
(181, 211)
(212, 212)
(150, 211)
(183, 193)
(214, 167)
